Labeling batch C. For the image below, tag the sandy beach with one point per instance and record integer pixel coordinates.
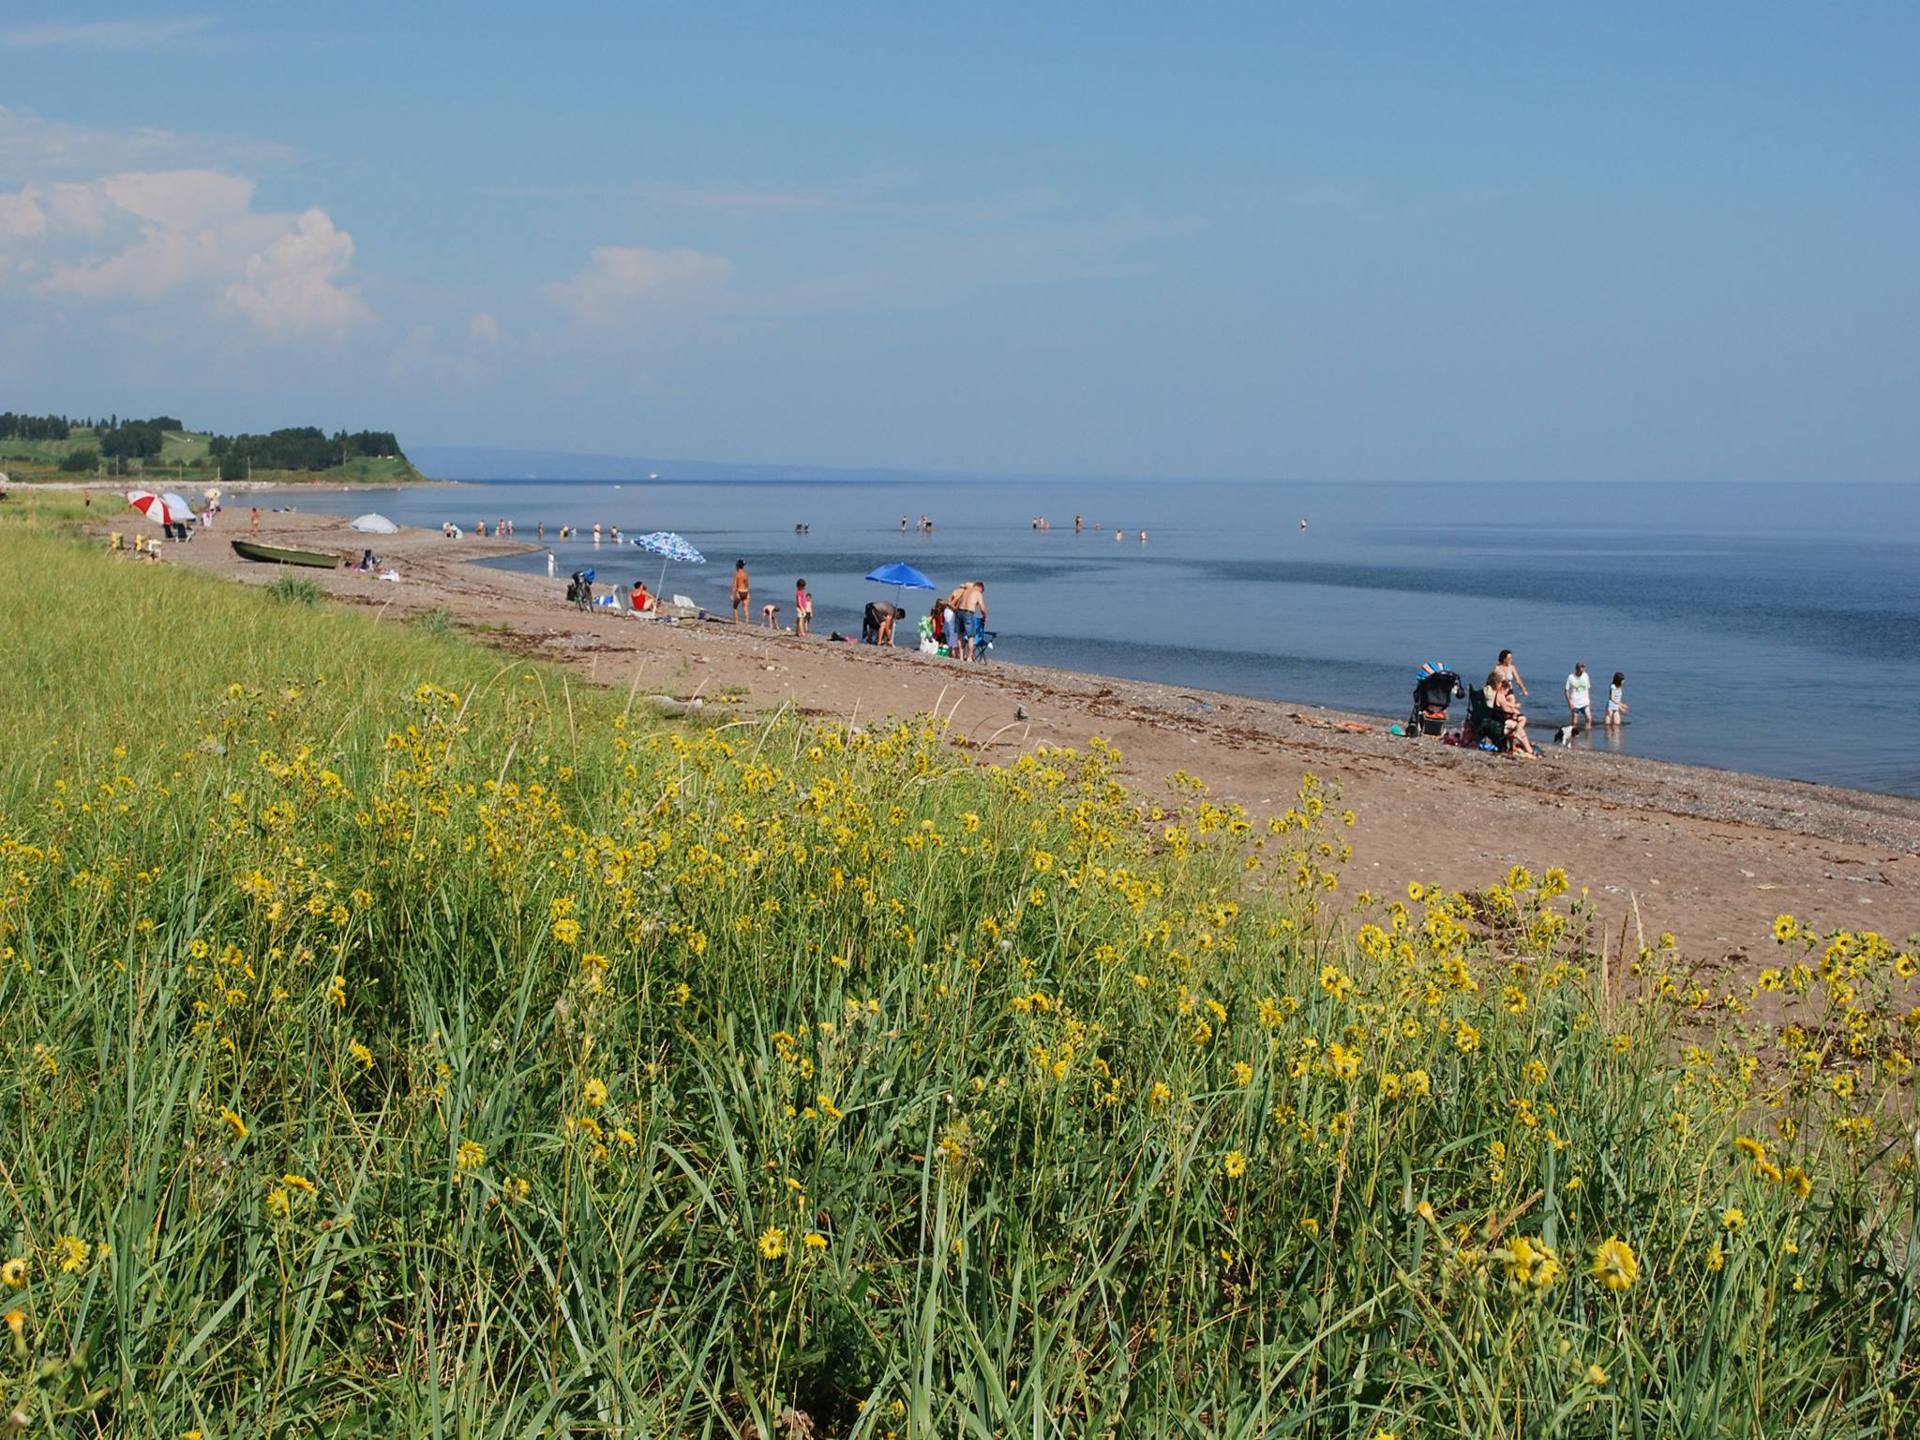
(1711, 855)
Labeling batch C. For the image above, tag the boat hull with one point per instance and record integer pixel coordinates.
(283, 555)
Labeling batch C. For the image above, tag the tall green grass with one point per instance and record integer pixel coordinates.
(404, 1041)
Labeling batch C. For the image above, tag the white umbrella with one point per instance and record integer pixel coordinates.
(183, 506)
(373, 524)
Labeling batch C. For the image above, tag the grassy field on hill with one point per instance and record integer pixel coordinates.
(405, 1040)
(184, 459)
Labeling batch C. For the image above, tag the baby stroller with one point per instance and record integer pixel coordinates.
(580, 589)
(1434, 692)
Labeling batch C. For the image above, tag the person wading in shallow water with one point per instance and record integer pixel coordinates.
(742, 592)
(1508, 671)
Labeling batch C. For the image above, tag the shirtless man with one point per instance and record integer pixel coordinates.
(742, 590)
(970, 603)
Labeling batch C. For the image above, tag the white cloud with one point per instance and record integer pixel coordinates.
(104, 34)
(191, 224)
(455, 367)
(180, 198)
(34, 148)
(148, 235)
(21, 217)
(294, 286)
(619, 280)
(734, 203)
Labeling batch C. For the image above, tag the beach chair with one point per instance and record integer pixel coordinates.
(1484, 726)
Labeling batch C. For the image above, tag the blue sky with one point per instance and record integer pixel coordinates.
(1394, 242)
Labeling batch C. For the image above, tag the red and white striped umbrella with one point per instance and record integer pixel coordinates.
(157, 508)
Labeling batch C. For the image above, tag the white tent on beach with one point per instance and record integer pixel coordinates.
(373, 524)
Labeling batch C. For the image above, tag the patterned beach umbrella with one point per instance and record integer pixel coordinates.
(669, 546)
(161, 509)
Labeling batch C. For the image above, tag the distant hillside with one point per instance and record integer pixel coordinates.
(37, 447)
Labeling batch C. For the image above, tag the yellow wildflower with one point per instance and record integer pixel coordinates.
(1615, 1265)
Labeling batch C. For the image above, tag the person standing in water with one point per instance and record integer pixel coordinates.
(742, 592)
(1616, 704)
(967, 619)
(1579, 691)
(1509, 672)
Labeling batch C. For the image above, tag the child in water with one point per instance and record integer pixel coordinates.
(1616, 707)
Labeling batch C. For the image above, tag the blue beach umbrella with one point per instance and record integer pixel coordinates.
(901, 576)
(669, 546)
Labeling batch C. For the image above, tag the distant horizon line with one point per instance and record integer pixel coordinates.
(643, 470)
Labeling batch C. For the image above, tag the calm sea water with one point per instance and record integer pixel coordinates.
(1766, 628)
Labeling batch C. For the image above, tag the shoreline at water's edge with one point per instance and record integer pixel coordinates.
(1707, 852)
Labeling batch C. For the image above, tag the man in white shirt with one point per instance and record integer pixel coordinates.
(1579, 700)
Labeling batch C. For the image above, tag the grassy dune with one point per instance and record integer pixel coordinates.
(404, 1042)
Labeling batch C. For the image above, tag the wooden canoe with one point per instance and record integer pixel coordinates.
(284, 555)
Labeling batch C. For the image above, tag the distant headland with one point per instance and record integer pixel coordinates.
(61, 447)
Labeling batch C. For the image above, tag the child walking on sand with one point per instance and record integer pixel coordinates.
(1616, 707)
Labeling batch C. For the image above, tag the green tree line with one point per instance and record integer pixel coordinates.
(304, 447)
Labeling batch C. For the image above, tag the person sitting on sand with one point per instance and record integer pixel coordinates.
(641, 600)
(1507, 706)
(876, 622)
